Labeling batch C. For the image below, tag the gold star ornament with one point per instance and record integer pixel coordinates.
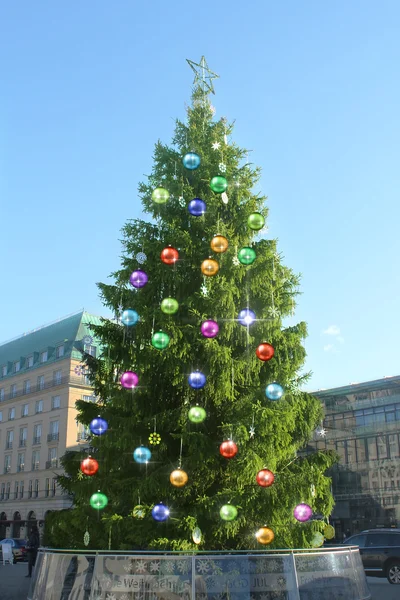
(203, 76)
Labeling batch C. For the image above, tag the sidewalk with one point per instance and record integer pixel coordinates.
(13, 583)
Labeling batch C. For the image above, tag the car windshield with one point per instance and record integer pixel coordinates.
(20, 543)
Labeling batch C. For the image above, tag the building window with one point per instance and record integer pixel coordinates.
(36, 490)
(3, 491)
(7, 463)
(394, 445)
(382, 446)
(9, 439)
(40, 382)
(90, 398)
(16, 366)
(43, 356)
(27, 386)
(21, 462)
(372, 451)
(1, 416)
(54, 486)
(16, 489)
(60, 351)
(2, 395)
(21, 490)
(90, 350)
(4, 370)
(23, 434)
(55, 402)
(47, 487)
(8, 489)
(35, 460)
(83, 432)
(52, 462)
(29, 362)
(11, 414)
(53, 434)
(25, 410)
(13, 390)
(37, 433)
(30, 488)
(57, 377)
(39, 406)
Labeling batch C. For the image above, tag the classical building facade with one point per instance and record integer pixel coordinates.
(362, 423)
(41, 378)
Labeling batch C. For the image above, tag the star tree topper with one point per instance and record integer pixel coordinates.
(204, 77)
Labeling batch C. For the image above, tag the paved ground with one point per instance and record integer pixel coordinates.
(14, 585)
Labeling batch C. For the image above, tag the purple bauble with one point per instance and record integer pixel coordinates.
(302, 512)
(129, 380)
(138, 278)
(197, 207)
(209, 329)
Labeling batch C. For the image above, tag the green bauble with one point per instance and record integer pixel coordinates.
(317, 540)
(169, 306)
(160, 340)
(98, 501)
(228, 512)
(218, 184)
(160, 195)
(197, 414)
(256, 221)
(246, 255)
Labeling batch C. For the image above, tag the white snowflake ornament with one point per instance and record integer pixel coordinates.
(222, 167)
(224, 198)
(216, 145)
(141, 257)
(182, 201)
(236, 261)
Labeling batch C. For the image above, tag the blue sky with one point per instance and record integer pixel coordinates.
(88, 88)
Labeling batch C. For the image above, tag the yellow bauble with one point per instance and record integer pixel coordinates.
(329, 532)
(265, 535)
(219, 244)
(209, 267)
(178, 478)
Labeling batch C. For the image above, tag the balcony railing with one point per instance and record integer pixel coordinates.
(35, 466)
(73, 380)
(20, 468)
(9, 445)
(53, 437)
(36, 440)
(7, 469)
(22, 443)
(83, 435)
(52, 464)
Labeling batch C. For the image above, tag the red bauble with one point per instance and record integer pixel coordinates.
(265, 351)
(228, 449)
(265, 478)
(89, 466)
(169, 255)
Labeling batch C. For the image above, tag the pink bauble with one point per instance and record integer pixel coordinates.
(209, 329)
(129, 380)
(302, 512)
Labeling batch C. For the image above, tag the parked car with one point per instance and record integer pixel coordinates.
(18, 548)
(380, 552)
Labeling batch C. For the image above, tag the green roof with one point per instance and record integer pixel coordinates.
(69, 332)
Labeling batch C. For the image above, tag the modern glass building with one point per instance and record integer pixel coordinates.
(362, 424)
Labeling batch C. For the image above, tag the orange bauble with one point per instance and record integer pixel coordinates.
(219, 244)
(178, 478)
(169, 255)
(265, 535)
(265, 351)
(89, 466)
(209, 267)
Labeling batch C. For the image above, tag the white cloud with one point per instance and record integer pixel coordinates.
(328, 348)
(332, 330)
(340, 339)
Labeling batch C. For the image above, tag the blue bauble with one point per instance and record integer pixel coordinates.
(191, 161)
(274, 391)
(160, 512)
(246, 317)
(142, 455)
(197, 207)
(98, 426)
(129, 317)
(197, 380)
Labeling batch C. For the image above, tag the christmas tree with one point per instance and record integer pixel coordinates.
(196, 436)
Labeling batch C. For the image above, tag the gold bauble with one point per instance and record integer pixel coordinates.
(265, 535)
(219, 244)
(178, 478)
(209, 267)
